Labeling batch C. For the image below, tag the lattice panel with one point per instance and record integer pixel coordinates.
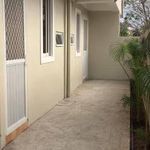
(14, 20)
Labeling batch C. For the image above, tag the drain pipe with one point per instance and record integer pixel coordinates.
(67, 49)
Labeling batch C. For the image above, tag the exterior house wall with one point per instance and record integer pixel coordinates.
(103, 33)
(49, 76)
(2, 77)
(45, 82)
(76, 62)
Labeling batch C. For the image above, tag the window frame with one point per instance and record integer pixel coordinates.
(87, 38)
(46, 57)
(72, 39)
(78, 51)
(62, 38)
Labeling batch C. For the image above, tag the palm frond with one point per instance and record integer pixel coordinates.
(119, 51)
(144, 76)
(126, 101)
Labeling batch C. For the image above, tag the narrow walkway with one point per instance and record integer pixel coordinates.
(92, 119)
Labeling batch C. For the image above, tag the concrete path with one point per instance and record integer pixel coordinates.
(92, 119)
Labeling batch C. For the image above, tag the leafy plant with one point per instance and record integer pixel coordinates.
(144, 76)
(126, 101)
(142, 135)
(134, 55)
(130, 55)
(124, 31)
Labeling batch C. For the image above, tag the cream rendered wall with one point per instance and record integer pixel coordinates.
(76, 62)
(45, 83)
(2, 77)
(103, 33)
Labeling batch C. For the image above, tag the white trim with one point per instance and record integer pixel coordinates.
(25, 50)
(13, 62)
(45, 58)
(16, 125)
(86, 19)
(5, 72)
(62, 35)
(87, 50)
(77, 12)
(72, 36)
(93, 1)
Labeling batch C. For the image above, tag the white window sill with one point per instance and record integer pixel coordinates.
(59, 45)
(78, 54)
(47, 59)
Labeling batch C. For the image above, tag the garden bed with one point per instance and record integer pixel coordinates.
(139, 132)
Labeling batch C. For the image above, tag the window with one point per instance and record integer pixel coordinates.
(59, 39)
(72, 39)
(78, 28)
(85, 44)
(47, 31)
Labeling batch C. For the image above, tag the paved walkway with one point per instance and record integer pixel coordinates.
(92, 119)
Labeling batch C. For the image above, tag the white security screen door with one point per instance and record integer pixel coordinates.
(15, 64)
(85, 48)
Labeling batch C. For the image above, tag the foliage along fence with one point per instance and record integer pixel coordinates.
(136, 67)
(146, 97)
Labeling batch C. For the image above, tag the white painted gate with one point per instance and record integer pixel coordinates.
(15, 64)
(85, 48)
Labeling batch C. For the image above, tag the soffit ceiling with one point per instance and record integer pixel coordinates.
(98, 5)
